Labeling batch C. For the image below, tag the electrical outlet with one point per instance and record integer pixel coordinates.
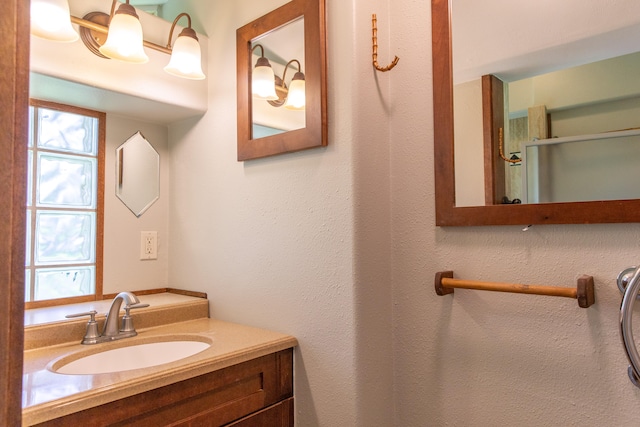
(148, 245)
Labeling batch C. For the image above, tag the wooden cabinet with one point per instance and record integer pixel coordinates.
(258, 392)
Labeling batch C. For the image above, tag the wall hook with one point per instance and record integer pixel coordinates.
(501, 149)
(374, 25)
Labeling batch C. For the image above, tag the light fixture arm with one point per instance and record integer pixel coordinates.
(284, 75)
(124, 8)
(263, 61)
(113, 9)
(261, 50)
(187, 31)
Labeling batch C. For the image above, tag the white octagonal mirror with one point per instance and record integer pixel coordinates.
(137, 174)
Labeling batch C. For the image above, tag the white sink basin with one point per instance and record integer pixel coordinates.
(128, 357)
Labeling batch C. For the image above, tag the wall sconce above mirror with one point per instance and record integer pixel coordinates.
(117, 35)
(495, 59)
(281, 62)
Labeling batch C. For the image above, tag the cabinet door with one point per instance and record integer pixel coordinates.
(278, 415)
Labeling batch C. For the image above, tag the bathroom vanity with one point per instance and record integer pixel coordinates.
(256, 392)
(244, 377)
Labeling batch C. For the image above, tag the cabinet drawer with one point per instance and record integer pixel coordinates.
(213, 399)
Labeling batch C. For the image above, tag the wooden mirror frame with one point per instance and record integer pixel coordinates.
(447, 214)
(314, 134)
(14, 119)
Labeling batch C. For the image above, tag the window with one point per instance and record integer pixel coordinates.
(65, 204)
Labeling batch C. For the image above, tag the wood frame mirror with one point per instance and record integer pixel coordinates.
(447, 213)
(14, 118)
(314, 133)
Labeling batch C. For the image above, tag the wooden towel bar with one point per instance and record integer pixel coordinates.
(583, 292)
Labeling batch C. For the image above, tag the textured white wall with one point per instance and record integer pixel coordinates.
(123, 269)
(298, 243)
(488, 359)
(338, 246)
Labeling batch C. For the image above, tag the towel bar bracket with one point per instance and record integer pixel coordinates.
(586, 291)
(441, 290)
(624, 278)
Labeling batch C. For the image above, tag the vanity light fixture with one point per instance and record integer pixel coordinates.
(263, 78)
(50, 20)
(185, 59)
(124, 35)
(124, 39)
(266, 85)
(296, 91)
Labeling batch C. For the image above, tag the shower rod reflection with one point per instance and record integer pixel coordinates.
(583, 292)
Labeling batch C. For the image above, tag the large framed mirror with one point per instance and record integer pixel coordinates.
(447, 132)
(289, 113)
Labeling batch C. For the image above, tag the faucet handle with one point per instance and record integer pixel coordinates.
(91, 313)
(92, 334)
(137, 305)
(127, 321)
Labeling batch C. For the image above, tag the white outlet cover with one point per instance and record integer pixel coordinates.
(148, 245)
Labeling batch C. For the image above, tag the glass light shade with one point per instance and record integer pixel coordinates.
(50, 19)
(124, 40)
(263, 81)
(186, 57)
(296, 98)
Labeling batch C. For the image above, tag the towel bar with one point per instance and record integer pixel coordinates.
(583, 292)
(626, 312)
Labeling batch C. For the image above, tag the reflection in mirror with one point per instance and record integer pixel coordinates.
(292, 40)
(524, 53)
(138, 174)
(283, 52)
(595, 97)
(581, 168)
(573, 103)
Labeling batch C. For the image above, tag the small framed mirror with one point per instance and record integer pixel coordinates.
(282, 86)
(137, 174)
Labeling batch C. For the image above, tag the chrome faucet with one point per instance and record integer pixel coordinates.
(111, 325)
(112, 329)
